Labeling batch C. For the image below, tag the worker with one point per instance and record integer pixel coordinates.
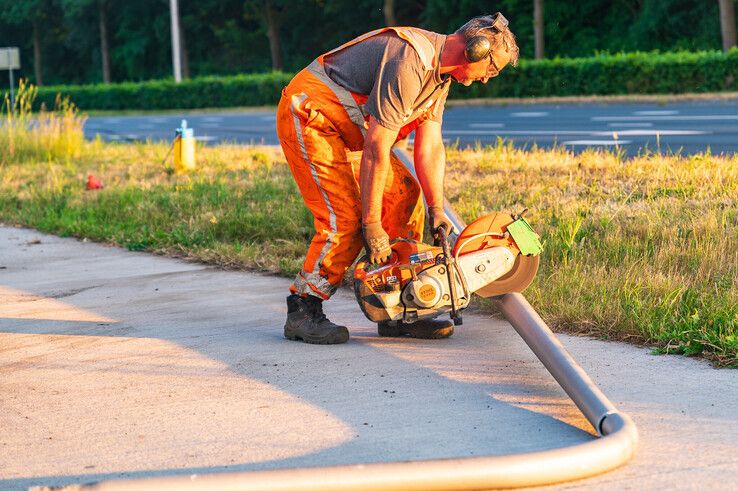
(337, 121)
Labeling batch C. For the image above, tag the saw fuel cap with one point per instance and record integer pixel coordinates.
(427, 291)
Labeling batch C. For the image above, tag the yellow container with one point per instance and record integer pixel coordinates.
(184, 149)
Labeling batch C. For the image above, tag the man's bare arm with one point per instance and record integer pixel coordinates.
(375, 165)
(430, 166)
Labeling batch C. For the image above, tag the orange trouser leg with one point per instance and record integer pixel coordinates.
(327, 176)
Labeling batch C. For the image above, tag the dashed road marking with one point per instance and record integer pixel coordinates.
(653, 132)
(486, 125)
(411, 141)
(514, 132)
(597, 142)
(530, 114)
(655, 113)
(629, 125)
(716, 117)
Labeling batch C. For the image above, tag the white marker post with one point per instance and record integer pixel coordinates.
(10, 60)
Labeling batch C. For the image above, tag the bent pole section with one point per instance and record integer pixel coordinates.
(615, 446)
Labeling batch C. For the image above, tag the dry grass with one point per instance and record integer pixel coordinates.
(643, 249)
(46, 136)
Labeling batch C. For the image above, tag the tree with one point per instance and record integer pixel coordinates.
(102, 10)
(538, 28)
(33, 14)
(727, 23)
(389, 13)
(87, 32)
(270, 13)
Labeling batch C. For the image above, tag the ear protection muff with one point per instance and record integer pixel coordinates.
(478, 47)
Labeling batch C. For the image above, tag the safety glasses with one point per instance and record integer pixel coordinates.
(493, 70)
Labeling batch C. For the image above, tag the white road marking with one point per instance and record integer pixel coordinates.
(597, 142)
(717, 117)
(131, 136)
(530, 114)
(411, 141)
(210, 125)
(206, 138)
(652, 132)
(513, 132)
(655, 113)
(112, 137)
(629, 125)
(486, 125)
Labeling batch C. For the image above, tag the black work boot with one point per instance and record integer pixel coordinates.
(422, 329)
(307, 322)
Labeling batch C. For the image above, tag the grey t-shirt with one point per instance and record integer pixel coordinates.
(390, 72)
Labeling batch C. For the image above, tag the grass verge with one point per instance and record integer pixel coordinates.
(642, 249)
(47, 135)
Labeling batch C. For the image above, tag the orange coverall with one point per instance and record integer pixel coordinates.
(321, 127)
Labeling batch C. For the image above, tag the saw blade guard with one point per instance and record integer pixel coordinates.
(508, 231)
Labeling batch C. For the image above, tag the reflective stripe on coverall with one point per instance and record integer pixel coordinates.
(321, 128)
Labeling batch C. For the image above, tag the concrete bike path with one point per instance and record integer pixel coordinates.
(121, 364)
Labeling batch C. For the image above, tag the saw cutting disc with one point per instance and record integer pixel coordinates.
(517, 280)
(523, 271)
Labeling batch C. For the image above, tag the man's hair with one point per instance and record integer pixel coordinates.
(479, 26)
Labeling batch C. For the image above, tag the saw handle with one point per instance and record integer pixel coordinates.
(450, 268)
(441, 229)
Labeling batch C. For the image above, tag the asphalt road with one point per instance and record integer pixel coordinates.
(683, 127)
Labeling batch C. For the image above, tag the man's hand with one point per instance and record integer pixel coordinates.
(377, 242)
(438, 219)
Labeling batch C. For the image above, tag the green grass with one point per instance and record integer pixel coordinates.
(643, 250)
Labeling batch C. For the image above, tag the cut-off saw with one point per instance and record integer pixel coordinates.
(494, 255)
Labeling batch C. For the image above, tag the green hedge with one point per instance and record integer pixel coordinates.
(237, 90)
(631, 73)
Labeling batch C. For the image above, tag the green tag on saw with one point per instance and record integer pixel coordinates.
(525, 238)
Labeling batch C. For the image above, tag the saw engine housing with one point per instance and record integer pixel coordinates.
(416, 282)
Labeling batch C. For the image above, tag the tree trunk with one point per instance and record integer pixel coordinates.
(538, 28)
(184, 54)
(727, 23)
(389, 13)
(102, 9)
(273, 19)
(37, 53)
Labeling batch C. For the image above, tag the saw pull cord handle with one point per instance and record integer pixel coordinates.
(450, 264)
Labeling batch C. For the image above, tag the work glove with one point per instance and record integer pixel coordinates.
(438, 219)
(377, 242)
